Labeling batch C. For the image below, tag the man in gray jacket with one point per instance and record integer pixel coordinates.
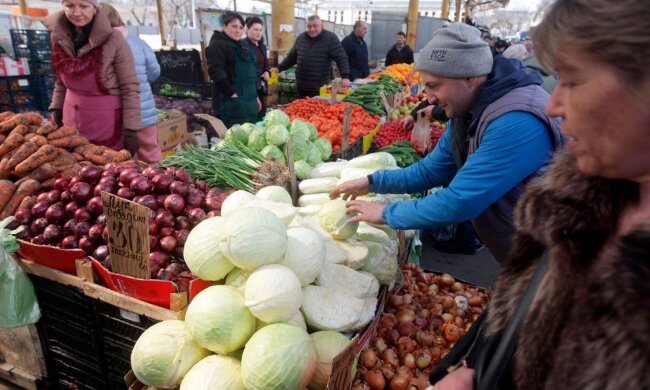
(313, 53)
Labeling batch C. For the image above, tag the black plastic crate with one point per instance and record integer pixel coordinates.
(42, 54)
(113, 326)
(118, 357)
(39, 39)
(73, 373)
(41, 68)
(353, 150)
(15, 84)
(19, 37)
(22, 51)
(201, 90)
(117, 382)
(64, 301)
(63, 335)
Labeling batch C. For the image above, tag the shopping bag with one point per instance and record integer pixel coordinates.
(421, 135)
(18, 304)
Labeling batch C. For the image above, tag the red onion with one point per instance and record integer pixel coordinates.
(73, 181)
(153, 242)
(174, 203)
(149, 201)
(165, 218)
(105, 187)
(161, 183)
(213, 213)
(82, 229)
(182, 222)
(81, 192)
(43, 197)
(101, 252)
(65, 196)
(182, 175)
(61, 183)
(151, 171)
(95, 232)
(95, 206)
(52, 234)
(201, 185)
(181, 236)
(24, 216)
(90, 174)
(211, 202)
(105, 235)
(69, 242)
(168, 244)
(127, 175)
(166, 231)
(82, 214)
(110, 180)
(196, 215)
(141, 185)
(39, 208)
(126, 193)
(193, 198)
(70, 208)
(55, 214)
(38, 239)
(101, 219)
(38, 225)
(70, 227)
(179, 187)
(87, 245)
(153, 227)
(54, 196)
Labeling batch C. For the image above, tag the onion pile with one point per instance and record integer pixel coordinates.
(422, 322)
(72, 214)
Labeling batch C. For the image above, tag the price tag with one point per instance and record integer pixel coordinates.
(128, 236)
(347, 121)
(387, 106)
(335, 90)
(292, 173)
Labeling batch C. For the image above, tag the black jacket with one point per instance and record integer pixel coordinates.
(404, 56)
(221, 64)
(262, 48)
(357, 52)
(313, 58)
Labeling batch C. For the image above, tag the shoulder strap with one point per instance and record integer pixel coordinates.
(508, 343)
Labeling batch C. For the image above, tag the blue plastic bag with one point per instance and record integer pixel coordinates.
(18, 303)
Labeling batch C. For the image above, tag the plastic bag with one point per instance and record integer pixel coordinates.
(421, 135)
(18, 304)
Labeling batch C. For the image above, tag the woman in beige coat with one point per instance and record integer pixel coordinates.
(97, 90)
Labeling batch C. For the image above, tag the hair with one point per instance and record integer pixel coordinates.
(500, 44)
(229, 16)
(517, 51)
(401, 33)
(615, 32)
(112, 14)
(251, 20)
(313, 17)
(358, 23)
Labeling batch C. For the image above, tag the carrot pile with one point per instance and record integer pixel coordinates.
(328, 119)
(31, 150)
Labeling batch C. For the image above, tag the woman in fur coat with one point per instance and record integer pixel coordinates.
(588, 326)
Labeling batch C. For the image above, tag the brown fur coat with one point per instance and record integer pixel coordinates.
(589, 325)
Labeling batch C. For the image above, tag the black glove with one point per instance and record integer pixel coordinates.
(57, 117)
(131, 141)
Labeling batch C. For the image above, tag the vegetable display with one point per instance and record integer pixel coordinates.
(399, 72)
(403, 152)
(422, 322)
(368, 95)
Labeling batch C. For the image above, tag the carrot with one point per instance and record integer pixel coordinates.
(99, 159)
(22, 129)
(26, 188)
(28, 119)
(7, 190)
(63, 131)
(44, 154)
(63, 158)
(12, 142)
(6, 115)
(78, 156)
(72, 171)
(21, 154)
(5, 172)
(43, 172)
(2, 138)
(70, 141)
(27, 202)
(39, 140)
(49, 183)
(46, 129)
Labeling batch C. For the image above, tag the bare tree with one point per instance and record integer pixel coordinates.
(142, 21)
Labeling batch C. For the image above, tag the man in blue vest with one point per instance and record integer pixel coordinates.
(497, 138)
(357, 51)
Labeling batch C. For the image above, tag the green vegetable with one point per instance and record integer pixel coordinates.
(333, 218)
(257, 139)
(325, 148)
(302, 169)
(272, 151)
(313, 158)
(276, 117)
(328, 344)
(277, 135)
(226, 165)
(202, 254)
(300, 128)
(214, 372)
(273, 293)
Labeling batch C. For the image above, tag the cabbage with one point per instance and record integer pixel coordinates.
(368, 312)
(279, 357)
(334, 254)
(313, 200)
(377, 161)
(276, 117)
(328, 345)
(358, 284)
(305, 254)
(285, 212)
(313, 157)
(302, 169)
(217, 319)
(300, 129)
(275, 194)
(248, 127)
(273, 293)
(306, 211)
(201, 252)
(237, 135)
(370, 233)
(214, 372)
(324, 147)
(356, 253)
(313, 132)
(235, 201)
(331, 308)
(299, 148)
(350, 173)
(164, 353)
(333, 218)
(272, 151)
(328, 169)
(277, 135)
(253, 237)
(315, 186)
(382, 262)
(237, 278)
(257, 139)
(297, 320)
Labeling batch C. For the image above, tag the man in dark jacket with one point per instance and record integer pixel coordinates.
(400, 53)
(313, 54)
(357, 51)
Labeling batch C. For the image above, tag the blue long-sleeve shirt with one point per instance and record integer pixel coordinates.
(510, 151)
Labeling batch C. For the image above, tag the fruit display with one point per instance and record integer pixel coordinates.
(403, 152)
(400, 72)
(392, 132)
(368, 95)
(407, 106)
(422, 322)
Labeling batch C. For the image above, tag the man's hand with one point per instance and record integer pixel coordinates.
(351, 189)
(345, 83)
(426, 111)
(266, 76)
(275, 70)
(131, 142)
(460, 379)
(367, 211)
(57, 117)
(234, 96)
(407, 122)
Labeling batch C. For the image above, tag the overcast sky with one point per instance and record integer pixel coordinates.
(518, 5)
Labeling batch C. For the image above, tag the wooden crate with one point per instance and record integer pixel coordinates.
(21, 357)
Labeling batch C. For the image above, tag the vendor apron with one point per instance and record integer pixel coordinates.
(97, 116)
(243, 108)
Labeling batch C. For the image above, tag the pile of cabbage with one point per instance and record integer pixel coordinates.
(296, 288)
(270, 140)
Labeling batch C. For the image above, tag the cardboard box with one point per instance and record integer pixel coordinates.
(171, 133)
(9, 67)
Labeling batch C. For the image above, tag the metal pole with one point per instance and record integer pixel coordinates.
(161, 18)
(283, 14)
(445, 9)
(412, 23)
(457, 18)
(234, 5)
(23, 7)
(193, 5)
